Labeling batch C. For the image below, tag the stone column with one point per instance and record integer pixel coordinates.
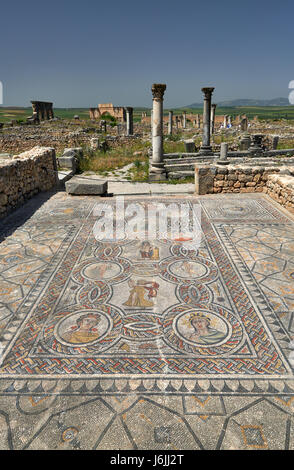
(275, 142)
(170, 122)
(177, 122)
(198, 121)
(206, 147)
(213, 107)
(129, 117)
(184, 120)
(157, 170)
(103, 126)
(225, 121)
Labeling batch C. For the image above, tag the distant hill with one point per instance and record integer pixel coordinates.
(246, 102)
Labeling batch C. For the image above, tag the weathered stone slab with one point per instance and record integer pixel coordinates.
(68, 162)
(82, 186)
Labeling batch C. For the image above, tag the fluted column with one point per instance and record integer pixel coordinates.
(206, 147)
(157, 171)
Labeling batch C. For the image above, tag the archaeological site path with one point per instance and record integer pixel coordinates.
(124, 344)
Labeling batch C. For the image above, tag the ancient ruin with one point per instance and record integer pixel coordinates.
(118, 112)
(42, 110)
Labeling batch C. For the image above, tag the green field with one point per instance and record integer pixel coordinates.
(266, 112)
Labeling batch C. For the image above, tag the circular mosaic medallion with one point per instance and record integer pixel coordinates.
(188, 270)
(101, 270)
(203, 330)
(111, 271)
(82, 331)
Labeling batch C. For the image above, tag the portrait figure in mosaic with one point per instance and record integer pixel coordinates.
(138, 292)
(147, 251)
(203, 333)
(84, 330)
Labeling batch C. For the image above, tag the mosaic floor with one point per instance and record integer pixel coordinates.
(126, 344)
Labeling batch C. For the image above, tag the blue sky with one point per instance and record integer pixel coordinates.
(81, 53)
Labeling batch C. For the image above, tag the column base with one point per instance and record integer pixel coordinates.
(206, 150)
(157, 176)
(157, 173)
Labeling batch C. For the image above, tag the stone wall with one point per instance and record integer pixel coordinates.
(25, 175)
(281, 188)
(231, 178)
(118, 112)
(277, 181)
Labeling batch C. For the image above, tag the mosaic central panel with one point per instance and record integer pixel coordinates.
(158, 307)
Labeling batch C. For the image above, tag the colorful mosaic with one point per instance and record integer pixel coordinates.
(130, 309)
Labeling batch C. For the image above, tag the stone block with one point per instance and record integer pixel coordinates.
(80, 186)
(189, 146)
(69, 162)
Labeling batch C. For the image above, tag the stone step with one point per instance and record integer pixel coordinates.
(180, 174)
(180, 166)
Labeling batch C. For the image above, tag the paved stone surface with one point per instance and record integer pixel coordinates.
(99, 350)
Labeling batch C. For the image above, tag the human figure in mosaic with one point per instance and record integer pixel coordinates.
(203, 333)
(84, 331)
(147, 251)
(138, 290)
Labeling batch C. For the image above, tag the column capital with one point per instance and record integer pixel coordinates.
(207, 91)
(158, 90)
(214, 105)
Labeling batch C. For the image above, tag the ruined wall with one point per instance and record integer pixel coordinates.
(281, 188)
(118, 112)
(26, 175)
(213, 179)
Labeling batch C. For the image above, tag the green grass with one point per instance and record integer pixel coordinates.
(113, 159)
(265, 112)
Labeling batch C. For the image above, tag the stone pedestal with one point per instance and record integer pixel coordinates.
(245, 141)
(256, 144)
(206, 147)
(223, 160)
(157, 170)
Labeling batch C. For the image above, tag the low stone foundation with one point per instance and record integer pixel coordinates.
(25, 175)
(216, 178)
(281, 188)
(276, 181)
